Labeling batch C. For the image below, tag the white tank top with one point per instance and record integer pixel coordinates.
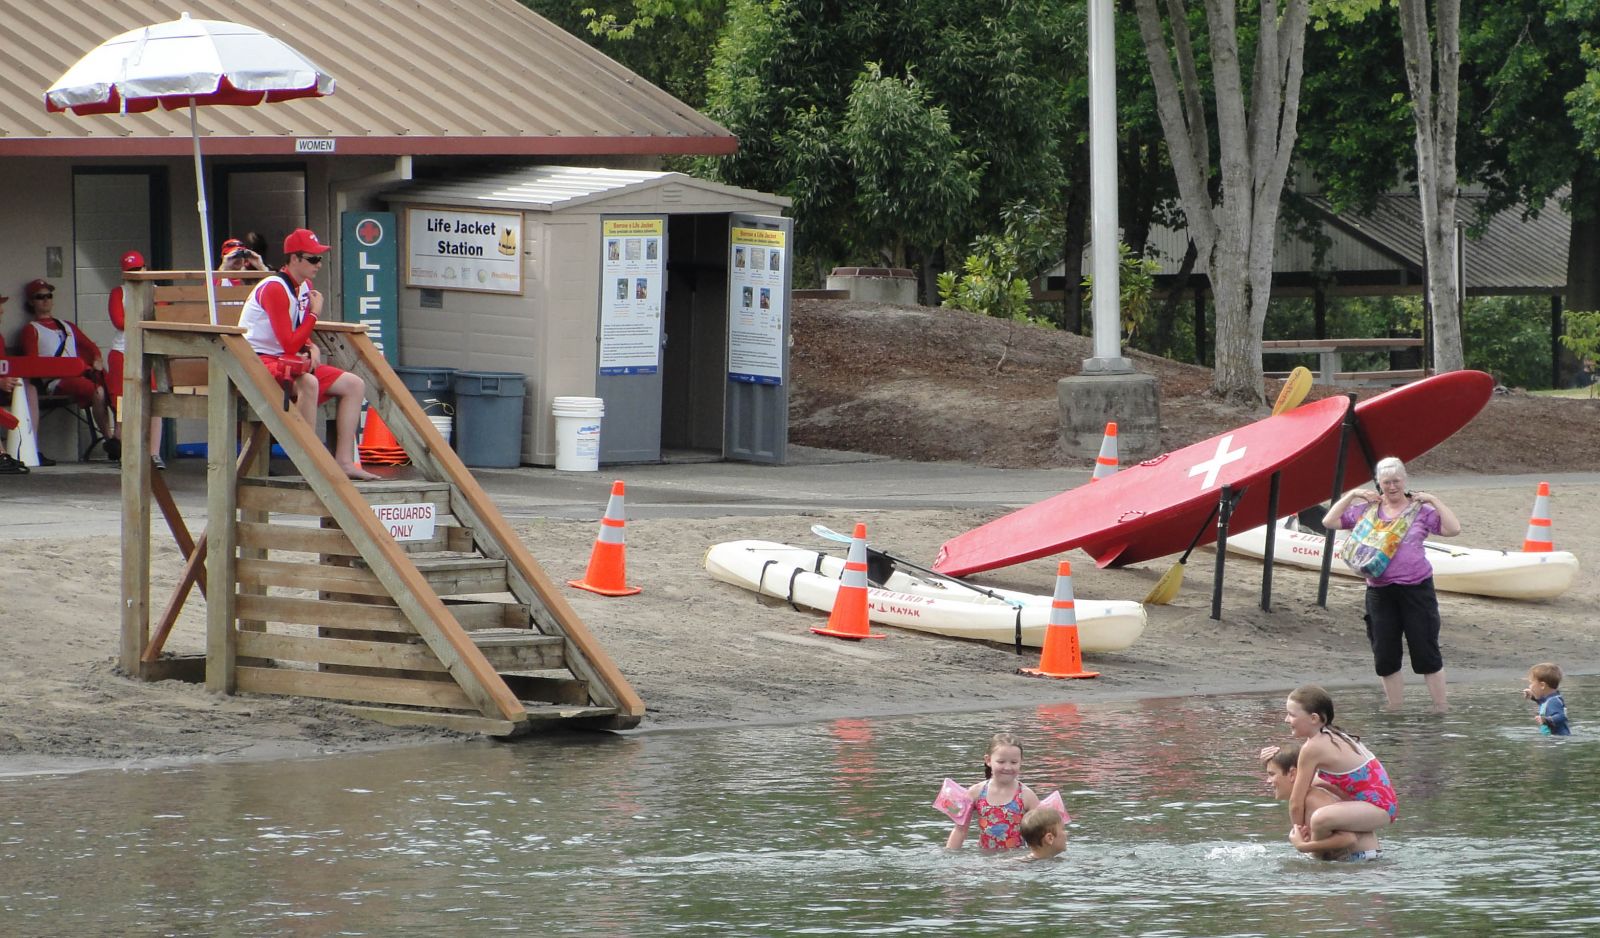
(258, 325)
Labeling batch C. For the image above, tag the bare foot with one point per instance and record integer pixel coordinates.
(358, 474)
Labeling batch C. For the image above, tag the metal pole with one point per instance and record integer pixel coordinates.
(1345, 430)
(1224, 512)
(205, 223)
(1107, 292)
(1272, 541)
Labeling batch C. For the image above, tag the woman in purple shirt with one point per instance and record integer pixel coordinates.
(1401, 601)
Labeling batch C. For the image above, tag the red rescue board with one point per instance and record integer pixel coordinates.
(1404, 422)
(1149, 514)
(41, 366)
(1152, 500)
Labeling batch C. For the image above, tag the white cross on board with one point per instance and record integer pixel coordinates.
(1214, 465)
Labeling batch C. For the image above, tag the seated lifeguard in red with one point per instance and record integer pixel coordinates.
(277, 319)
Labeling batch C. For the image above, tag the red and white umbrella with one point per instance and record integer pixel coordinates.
(187, 63)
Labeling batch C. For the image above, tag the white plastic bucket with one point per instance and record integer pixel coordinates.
(578, 432)
(444, 423)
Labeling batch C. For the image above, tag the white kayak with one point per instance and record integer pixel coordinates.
(811, 578)
(1504, 573)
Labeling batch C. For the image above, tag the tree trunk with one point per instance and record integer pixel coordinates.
(1583, 250)
(1075, 238)
(1435, 98)
(1236, 232)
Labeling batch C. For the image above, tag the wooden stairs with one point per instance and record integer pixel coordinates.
(462, 630)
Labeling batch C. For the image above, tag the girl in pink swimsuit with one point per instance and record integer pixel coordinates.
(1000, 801)
(1339, 762)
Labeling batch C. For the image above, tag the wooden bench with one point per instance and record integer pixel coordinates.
(1331, 359)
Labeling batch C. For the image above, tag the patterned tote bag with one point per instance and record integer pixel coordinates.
(1372, 544)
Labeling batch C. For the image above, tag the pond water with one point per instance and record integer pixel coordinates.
(823, 829)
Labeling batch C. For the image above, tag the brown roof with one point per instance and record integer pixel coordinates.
(464, 77)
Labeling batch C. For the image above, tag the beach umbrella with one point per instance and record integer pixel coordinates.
(187, 63)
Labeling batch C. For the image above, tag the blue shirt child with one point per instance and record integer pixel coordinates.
(1554, 711)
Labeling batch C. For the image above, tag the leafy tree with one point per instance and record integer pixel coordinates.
(914, 183)
(668, 42)
(1433, 74)
(1234, 223)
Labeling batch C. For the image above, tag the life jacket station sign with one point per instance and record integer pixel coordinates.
(632, 265)
(756, 301)
(454, 250)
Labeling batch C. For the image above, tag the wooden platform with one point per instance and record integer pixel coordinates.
(459, 629)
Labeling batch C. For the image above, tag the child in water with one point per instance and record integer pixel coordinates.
(1543, 679)
(1000, 801)
(1045, 833)
(1334, 759)
(1281, 763)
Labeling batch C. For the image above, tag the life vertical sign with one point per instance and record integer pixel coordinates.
(370, 257)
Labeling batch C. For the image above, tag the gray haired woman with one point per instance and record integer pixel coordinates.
(1401, 601)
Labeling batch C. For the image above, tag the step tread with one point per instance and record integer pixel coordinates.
(379, 486)
(517, 637)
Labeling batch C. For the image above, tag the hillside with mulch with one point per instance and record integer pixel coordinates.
(925, 383)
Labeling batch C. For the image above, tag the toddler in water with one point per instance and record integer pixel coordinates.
(1281, 763)
(1000, 802)
(1543, 679)
(1045, 833)
(1338, 762)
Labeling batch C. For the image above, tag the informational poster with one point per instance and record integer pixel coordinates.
(369, 251)
(632, 266)
(448, 249)
(755, 305)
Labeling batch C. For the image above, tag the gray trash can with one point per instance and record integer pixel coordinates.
(431, 387)
(489, 418)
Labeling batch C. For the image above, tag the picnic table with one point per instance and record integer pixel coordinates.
(1331, 354)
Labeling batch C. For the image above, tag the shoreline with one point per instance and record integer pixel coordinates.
(707, 655)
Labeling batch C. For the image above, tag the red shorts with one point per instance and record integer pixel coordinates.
(80, 389)
(113, 377)
(326, 376)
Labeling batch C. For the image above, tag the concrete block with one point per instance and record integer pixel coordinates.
(1088, 402)
(876, 284)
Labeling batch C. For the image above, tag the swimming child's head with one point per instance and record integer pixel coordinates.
(1308, 710)
(1280, 768)
(1003, 757)
(1044, 831)
(1545, 673)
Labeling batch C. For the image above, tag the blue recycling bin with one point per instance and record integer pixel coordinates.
(489, 407)
(433, 388)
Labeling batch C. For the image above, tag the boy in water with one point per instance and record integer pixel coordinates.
(1543, 679)
(1045, 833)
(1282, 764)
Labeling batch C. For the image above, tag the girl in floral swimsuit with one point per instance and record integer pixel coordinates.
(1000, 801)
(1339, 762)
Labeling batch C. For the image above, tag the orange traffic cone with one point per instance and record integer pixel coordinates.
(1106, 463)
(378, 445)
(1061, 656)
(1538, 538)
(849, 616)
(608, 562)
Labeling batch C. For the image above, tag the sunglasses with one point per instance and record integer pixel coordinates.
(311, 258)
(44, 296)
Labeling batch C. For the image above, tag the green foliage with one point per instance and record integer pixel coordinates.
(914, 183)
(668, 42)
(1136, 281)
(1582, 337)
(1509, 337)
(994, 277)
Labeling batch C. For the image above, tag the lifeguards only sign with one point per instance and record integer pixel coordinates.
(407, 522)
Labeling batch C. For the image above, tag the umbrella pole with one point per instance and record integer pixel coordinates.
(205, 223)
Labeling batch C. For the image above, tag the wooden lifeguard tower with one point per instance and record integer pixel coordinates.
(306, 593)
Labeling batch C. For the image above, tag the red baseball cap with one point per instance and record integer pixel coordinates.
(34, 286)
(132, 260)
(303, 241)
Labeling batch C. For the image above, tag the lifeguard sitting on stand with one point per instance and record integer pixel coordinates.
(278, 318)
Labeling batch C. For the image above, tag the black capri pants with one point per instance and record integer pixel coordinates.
(1411, 610)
